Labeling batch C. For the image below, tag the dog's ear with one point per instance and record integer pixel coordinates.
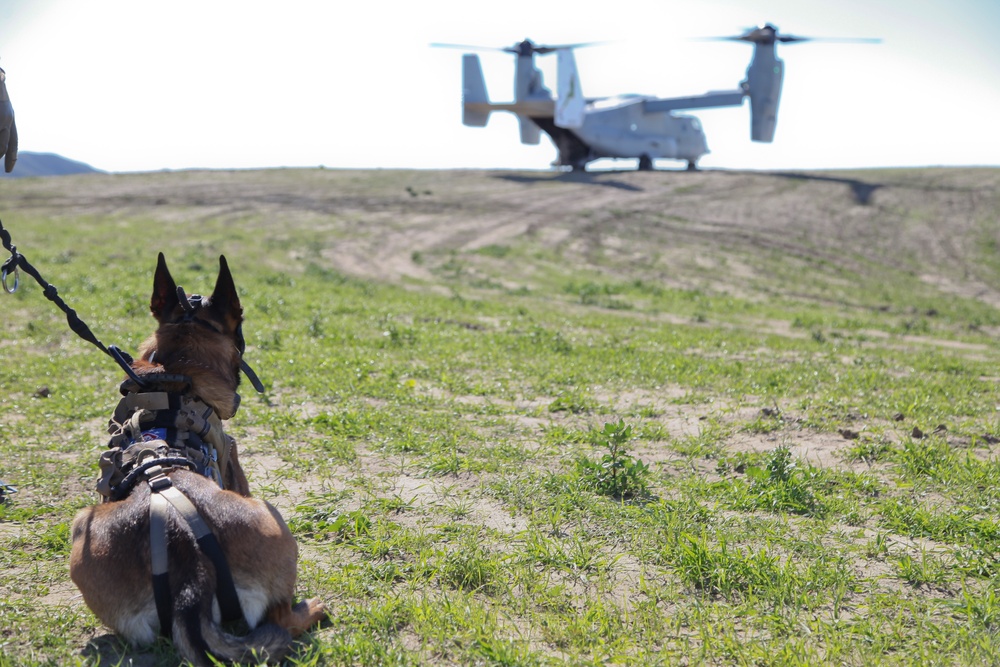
(225, 302)
(164, 299)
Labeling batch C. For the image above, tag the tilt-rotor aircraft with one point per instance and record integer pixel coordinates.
(624, 126)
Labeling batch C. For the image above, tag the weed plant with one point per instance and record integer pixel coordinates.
(616, 474)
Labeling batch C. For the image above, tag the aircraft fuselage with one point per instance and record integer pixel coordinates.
(620, 128)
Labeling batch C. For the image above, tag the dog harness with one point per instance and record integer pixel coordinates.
(153, 431)
(161, 420)
(158, 427)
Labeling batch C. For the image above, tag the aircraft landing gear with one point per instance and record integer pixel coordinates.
(645, 163)
(692, 165)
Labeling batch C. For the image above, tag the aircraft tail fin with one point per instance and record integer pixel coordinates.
(475, 102)
(570, 103)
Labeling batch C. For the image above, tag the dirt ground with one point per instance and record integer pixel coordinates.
(382, 223)
(711, 229)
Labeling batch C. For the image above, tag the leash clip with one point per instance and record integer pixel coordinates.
(6, 489)
(5, 271)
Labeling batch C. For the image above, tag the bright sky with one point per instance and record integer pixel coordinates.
(130, 85)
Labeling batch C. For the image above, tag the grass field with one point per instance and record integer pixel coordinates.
(534, 419)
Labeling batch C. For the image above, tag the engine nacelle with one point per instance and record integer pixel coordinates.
(763, 87)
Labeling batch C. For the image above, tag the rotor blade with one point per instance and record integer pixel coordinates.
(549, 48)
(845, 40)
(792, 39)
(540, 49)
(438, 45)
(768, 33)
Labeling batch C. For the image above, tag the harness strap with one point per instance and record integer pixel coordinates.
(162, 493)
(158, 555)
(147, 400)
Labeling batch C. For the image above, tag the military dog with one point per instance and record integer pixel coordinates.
(178, 542)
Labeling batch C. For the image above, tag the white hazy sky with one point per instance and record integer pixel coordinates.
(135, 85)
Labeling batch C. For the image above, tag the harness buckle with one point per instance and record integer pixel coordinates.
(158, 480)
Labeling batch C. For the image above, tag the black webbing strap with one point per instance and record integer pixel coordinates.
(160, 562)
(254, 380)
(18, 261)
(163, 492)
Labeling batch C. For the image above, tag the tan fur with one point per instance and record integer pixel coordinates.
(110, 560)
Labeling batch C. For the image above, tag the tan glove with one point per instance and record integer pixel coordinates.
(8, 130)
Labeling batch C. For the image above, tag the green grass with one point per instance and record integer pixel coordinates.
(438, 442)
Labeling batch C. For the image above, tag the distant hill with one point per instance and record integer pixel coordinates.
(47, 164)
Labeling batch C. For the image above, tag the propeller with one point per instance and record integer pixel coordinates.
(522, 48)
(768, 34)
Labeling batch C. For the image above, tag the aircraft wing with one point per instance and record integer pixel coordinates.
(527, 108)
(718, 98)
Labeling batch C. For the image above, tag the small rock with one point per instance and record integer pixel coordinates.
(848, 433)
(898, 417)
(43, 392)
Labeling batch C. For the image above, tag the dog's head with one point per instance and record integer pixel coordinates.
(200, 337)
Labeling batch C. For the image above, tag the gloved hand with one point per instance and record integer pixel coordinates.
(8, 130)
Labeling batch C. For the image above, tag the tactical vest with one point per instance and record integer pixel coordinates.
(164, 428)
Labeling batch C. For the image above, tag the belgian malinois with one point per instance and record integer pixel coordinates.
(139, 573)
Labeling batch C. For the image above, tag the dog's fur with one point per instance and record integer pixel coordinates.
(110, 561)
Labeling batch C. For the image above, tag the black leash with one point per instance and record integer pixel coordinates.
(17, 261)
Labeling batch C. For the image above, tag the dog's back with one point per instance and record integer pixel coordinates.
(111, 565)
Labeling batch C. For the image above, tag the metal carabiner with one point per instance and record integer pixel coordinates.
(5, 490)
(17, 279)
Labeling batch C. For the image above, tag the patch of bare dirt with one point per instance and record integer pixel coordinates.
(823, 450)
(706, 230)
